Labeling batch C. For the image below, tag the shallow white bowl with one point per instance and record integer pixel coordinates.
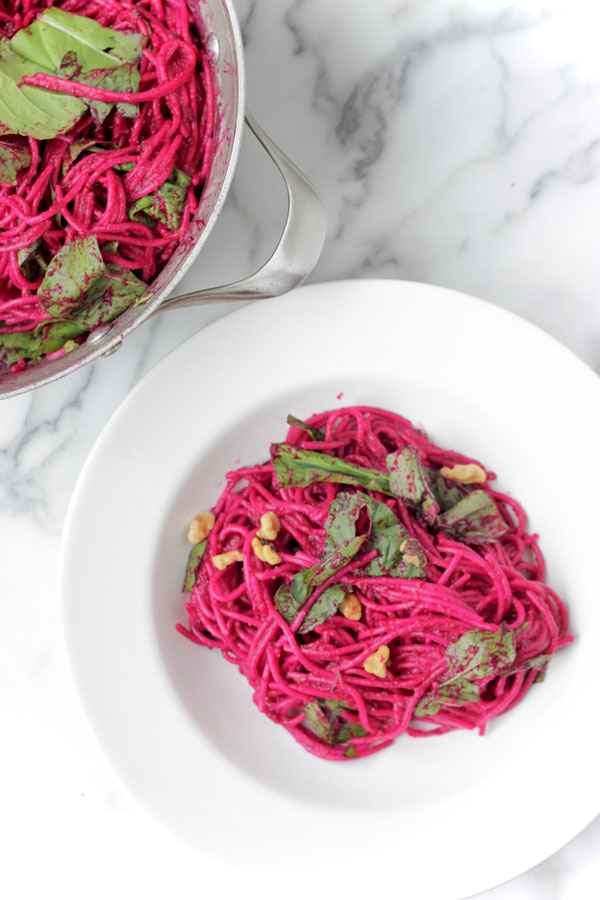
(441, 817)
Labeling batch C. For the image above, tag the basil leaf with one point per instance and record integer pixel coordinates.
(289, 599)
(350, 752)
(33, 344)
(70, 274)
(350, 730)
(124, 167)
(194, 559)
(109, 295)
(480, 654)
(340, 525)
(29, 110)
(469, 515)
(31, 261)
(13, 158)
(121, 78)
(79, 145)
(536, 662)
(386, 534)
(446, 492)
(305, 581)
(55, 33)
(315, 434)
(286, 605)
(323, 608)
(327, 720)
(427, 706)
(475, 519)
(409, 482)
(319, 721)
(299, 468)
(18, 345)
(26, 252)
(166, 203)
(457, 693)
(476, 656)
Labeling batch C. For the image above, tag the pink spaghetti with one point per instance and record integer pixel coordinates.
(444, 620)
(85, 182)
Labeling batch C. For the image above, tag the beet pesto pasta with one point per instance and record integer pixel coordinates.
(370, 584)
(106, 132)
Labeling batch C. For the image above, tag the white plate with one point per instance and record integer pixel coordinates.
(438, 818)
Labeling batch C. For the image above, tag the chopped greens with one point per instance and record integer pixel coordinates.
(29, 110)
(13, 158)
(327, 720)
(298, 468)
(475, 518)
(109, 293)
(476, 656)
(194, 560)
(315, 434)
(166, 203)
(73, 47)
(70, 274)
(468, 514)
(384, 533)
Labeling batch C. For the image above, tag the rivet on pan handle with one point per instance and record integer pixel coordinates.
(299, 247)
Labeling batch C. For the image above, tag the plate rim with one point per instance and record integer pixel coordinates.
(156, 371)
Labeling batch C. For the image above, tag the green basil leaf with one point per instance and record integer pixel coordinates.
(386, 534)
(32, 345)
(446, 492)
(26, 252)
(285, 604)
(479, 654)
(299, 468)
(194, 559)
(13, 158)
(166, 203)
(537, 662)
(289, 599)
(457, 693)
(122, 78)
(319, 722)
(427, 706)
(475, 519)
(31, 261)
(349, 730)
(18, 345)
(110, 294)
(315, 434)
(476, 656)
(70, 274)
(305, 581)
(79, 145)
(340, 525)
(53, 34)
(350, 752)
(29, 110)
(326, 718)
(323, 608)
(124, 167)
(409, 482)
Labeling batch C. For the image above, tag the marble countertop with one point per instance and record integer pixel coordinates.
(456, 143)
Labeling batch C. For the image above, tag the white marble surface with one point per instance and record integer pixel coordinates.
(453, 142)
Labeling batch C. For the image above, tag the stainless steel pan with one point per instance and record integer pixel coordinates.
(294, 257)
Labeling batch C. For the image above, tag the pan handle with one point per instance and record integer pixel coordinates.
(299, 247)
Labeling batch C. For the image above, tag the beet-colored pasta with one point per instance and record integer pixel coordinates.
(96, 179)
(370, 584)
